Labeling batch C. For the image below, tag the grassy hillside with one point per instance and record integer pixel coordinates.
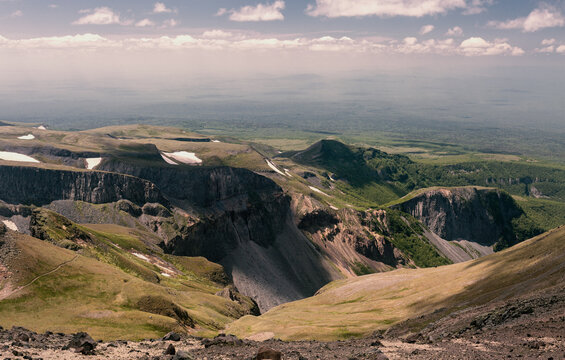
(359, 306)
(113, 285)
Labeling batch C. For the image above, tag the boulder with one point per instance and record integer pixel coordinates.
(172, 336)
(222, 340)
(82, 343)
(170, 350)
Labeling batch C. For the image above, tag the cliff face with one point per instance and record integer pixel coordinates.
(479, 215)
(216, 236)
(198, 186)
(31, 185)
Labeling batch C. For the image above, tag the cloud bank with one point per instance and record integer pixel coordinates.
(215, 40)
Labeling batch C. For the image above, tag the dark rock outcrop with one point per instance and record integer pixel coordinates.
(479, 215)
(82, 343)
(39, 186)
(216, 236)
(198, 186)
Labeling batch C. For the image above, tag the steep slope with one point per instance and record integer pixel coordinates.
(245, 224)
(361, 305)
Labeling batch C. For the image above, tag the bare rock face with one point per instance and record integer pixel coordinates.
(199, 186)
(38, 186)
(478, 215)
(352, 240)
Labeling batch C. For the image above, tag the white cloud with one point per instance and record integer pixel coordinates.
(548, 49)
(100, 16)
(170, 23)
(144, 23)
(160, 8)
(560, 49)
(260, 12)
(477, 6)
(477, 46)
(16, 14)
(548, 42)
(53, 6)
(454, 31)
(543, 17)
(384, 8)
(426, 29)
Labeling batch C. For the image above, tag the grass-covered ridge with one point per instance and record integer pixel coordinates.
(87, 279)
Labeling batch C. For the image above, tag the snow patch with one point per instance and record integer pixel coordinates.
(165, 274)
(12, 156)
(184, 157)
(216, 141)
(10, 225)
(317, 190)
(272, 166)
(41, 127)
(26, 137)
(141, 256)
(333, 207)
(91, 163)
(167, 160)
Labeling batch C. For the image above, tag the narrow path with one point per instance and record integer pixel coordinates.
(6, 294)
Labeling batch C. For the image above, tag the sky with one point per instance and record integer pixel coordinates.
(55, 52)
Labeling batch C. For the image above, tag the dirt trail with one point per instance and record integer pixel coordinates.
(8, 290)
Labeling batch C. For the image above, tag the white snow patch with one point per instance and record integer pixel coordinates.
(10, 225)
(272, 166)
(165, 274)
(41, 127)
(91, 163)
(12, 156)
(333, 207)
(317, 190)
(167, 160)
(216, 141)
(26, 137)
(287, 172)
(141, 256)
(184, 157)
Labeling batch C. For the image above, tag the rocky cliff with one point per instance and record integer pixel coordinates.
(245, 223)
(198, 186)
(40, 186)
(484, 216)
